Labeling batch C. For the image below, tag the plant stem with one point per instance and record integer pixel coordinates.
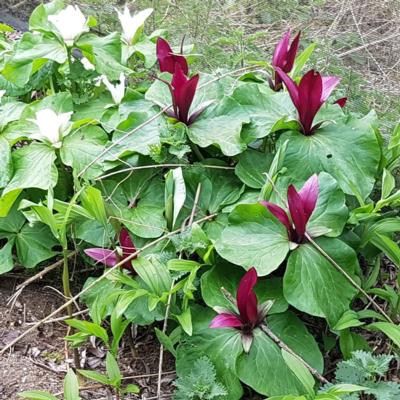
(285, 347)
(196, 151)
(68, 296)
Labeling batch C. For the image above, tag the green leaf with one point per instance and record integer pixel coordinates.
(37, 395)
(228, 276)
(89, 328)
(32, 51)
(221, 346)
(388, 246)
(131, 388)
(220, 125)
(94, 376)
(254, 238)
(82, 147)
(388, 184)
(182, 265)
(71, 386)
(6, 259)
(302, 59)
(33, 168)
(113, 370)
(348, 320)
(38, 20)
(252, 167)
(272, 376)
(185, 320)
(93, 202)
(264, 108)
(154, 274)
(313, 285)
(165, 341)
(347, 151)
(34, 243)
(302, 373)
(392, 331)
(106, 51)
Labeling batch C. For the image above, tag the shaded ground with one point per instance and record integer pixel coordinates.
(38, 361)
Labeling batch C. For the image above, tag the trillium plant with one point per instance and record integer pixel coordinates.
(175, 187)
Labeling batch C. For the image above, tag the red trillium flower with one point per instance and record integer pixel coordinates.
(284, 56)
(111, 257)
(308, 97)
(301, 206)
(182, 91)
(249, 314)
(167, 59)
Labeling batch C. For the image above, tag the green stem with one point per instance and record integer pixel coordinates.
(196, 151)
(68, 296)
(53, 90)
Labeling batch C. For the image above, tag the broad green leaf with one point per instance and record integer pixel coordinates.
(220, 125)
(182, 265)
(32, 51)
(10, 112)
(34, 244)
(71, 386)
(348, 151)
(113, 370)
(348, 320)
(141, 141)
(82, 147)
(33, 168)
(264, 368)
(228, 276)
(6, 166)
(154, 274)
(388, 184)
(313, 285)
(106, 51)
(6, 259)
(302, 59)
(221, 346)
(392, 331)
(252, 167)
(383, 227)
(302, 373)
(254, 238)
(38, 20)
(179, 192)
(264, 108)
(94, 376)
(37, 395)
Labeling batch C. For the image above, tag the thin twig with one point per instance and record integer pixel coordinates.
(96, 281)
(283, 346)
(348, 277)
(50, 321)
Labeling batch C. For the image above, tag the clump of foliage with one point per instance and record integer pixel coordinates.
(236, 206)
(201, 383)
(367, 370)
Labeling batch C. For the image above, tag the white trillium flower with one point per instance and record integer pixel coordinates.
(132, 23)
(70, 23)
(52, 127)
(117, 91)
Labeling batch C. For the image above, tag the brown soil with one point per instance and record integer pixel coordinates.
(38, 362)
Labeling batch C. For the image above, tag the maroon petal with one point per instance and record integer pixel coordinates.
(246, 298)
(226, 320)
(291, 87)
(281, 49)
(105, 256)
(279, 213)
(291, 54)
(309, 195)
(297, 212)
(184, 91)
(310, 99)
(341, 102)
(328, 84)
(127, 246)
(167, 59)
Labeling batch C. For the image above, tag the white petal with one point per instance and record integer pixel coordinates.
(70, 23)
(87, 64)
(131, 24)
